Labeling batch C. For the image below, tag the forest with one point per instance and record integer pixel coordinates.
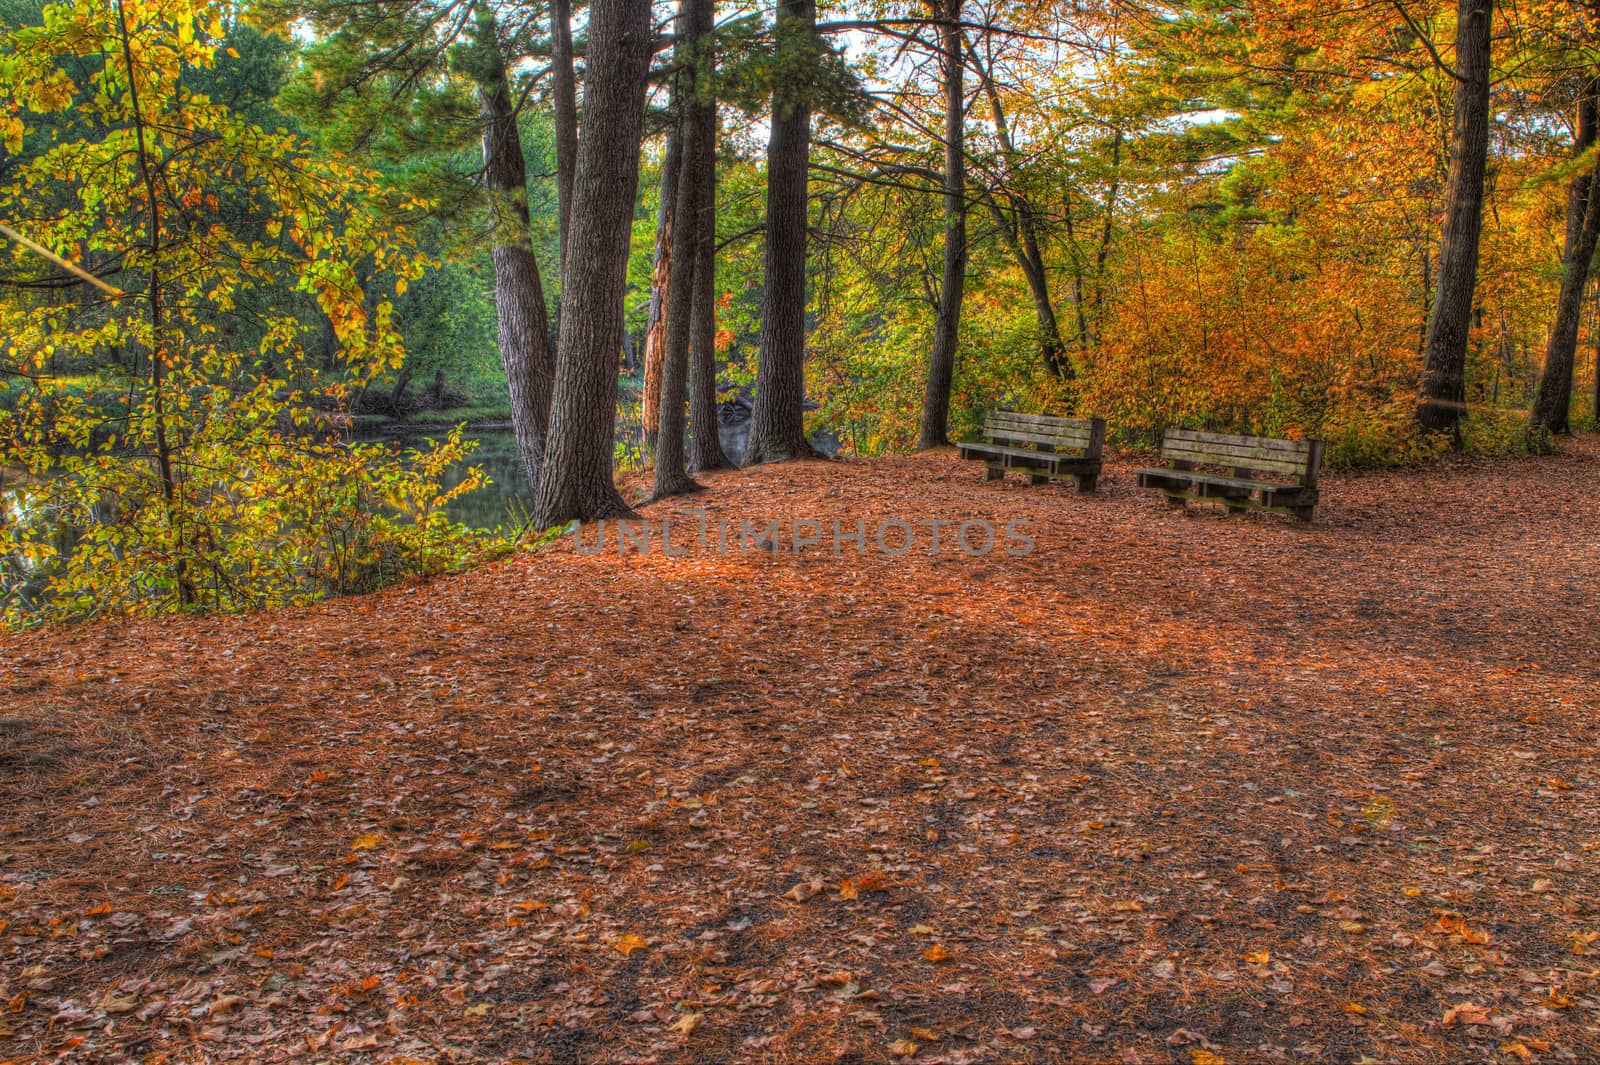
(493, 566)
(237, 236)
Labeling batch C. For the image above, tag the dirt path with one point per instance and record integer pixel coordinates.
(1167, 789)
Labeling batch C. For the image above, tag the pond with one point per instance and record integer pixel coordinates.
(506, 500)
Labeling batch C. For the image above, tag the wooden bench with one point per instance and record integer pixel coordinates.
(1041, 445)
(1251, 462)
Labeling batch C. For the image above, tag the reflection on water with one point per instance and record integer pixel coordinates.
(506, 500)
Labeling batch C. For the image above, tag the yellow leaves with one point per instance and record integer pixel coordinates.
(1582, 941)
(627, 944)
(1379, 812)
(369, 842)
(1556, 1000)
(903, 1048)
(687, 1023)
(1205, 1057)
(1259, 957)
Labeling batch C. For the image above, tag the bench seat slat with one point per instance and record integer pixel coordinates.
(1250, 443)
(1149, 476)
(1258, 463)
(1030, 456)
(1074, 440)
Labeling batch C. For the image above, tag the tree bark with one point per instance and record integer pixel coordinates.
(655, 335)
(578, 479)
(672, 477)
(1442, 396)
(1553, 403)
(564, 93)
(705, 442)
(524, 323)
(947, 328)
(777, 424)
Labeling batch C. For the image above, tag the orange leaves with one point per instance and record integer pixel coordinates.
(936, 953)
(1454, 925)
(628, 943)
(1467, 1013)
(368, 842)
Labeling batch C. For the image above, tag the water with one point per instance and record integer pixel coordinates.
(506, 500)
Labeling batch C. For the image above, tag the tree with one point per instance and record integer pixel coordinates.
(1020, 230)
(192, 472)
(577, 484)
(1553, 402)
(1442, 399)
(388, 68)
(777, 424)
(564, 101)
(705, 441)
(691, 198)
(519, 295)
(947, 327)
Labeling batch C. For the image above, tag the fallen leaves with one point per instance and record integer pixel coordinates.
(1164, 789)
(1466, 1013)
(627, 944)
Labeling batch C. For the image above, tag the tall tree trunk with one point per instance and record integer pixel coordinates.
(564, 93)
(577, 483)
(777, 424)
(164, 454)
(1554, 400)
(655, 335)
(518, 292)
(1024, 245)
(947, 328)
(1442, 396)
(694, 27)
(705, 442)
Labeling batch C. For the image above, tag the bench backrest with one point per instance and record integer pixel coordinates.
(1298, 459)
(1066, 434)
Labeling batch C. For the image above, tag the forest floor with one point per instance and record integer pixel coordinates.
(1172, 788)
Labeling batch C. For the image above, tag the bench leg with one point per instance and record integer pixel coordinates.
(1038, 478)
(1304, 513)
(1087, 482)
(994, 473)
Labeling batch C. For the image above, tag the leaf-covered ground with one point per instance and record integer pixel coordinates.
(1172, 788)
